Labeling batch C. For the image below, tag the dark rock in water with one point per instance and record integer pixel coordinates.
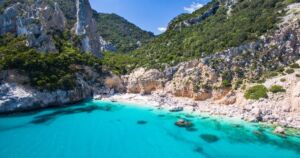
(184, 123)
(107, 108)
(198, 149)
(141, 122)
(176, 109)
(41, 120)
(191, 129)
(209, 138)
(237, 126)
(161, 115)
(204, 118)
(258, 133)
(189, 116)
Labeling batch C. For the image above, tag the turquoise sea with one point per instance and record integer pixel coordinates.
(96, 129)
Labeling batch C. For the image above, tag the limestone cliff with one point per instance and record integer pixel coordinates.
(17, 95)
(41, 20)
(85, 28)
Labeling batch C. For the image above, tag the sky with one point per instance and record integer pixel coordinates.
(149, 15)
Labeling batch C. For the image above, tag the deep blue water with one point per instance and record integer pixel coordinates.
(112, 130)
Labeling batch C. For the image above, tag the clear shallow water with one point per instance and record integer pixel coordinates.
(112, 130)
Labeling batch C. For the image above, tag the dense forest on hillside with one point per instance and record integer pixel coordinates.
(124, 35)
(45, 70)
(246, 22)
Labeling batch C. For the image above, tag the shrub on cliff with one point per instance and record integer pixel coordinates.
(295, 66)
(276, 89)
(289, 71)
(118, 63)
(256, 92)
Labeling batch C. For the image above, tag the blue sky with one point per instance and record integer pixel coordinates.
(150, 15)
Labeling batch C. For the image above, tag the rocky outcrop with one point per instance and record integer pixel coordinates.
(41, 20)
(106, 46)
(14, 97)
(208, 13)
(36, 21)
(194, 21)
(144, 81)
(86, 29)
(190, 79)
(17, 95)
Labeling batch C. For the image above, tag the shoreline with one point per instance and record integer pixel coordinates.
(189, 106)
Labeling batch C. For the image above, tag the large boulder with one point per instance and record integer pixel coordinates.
(144, 81)
(192, 79)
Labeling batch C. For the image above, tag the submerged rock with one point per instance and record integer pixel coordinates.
(191, 129)
(141, 122)
(198, 149)
(184, 123)
(209, 138)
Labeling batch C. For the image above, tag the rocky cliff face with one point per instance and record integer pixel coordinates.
(211, 10)
(194, 21)
(17, 95)
(41, 20)
(35, 20)
(85, 28)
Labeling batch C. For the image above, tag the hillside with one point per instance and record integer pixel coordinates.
(122, 34)
(117, 33)
(216, 27)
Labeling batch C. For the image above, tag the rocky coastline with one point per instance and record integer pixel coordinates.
(251, 112)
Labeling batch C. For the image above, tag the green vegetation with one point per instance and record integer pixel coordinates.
(119, 63)
(276, 89)
(226, 83)
(256, 92)
(124, 35)
(295, 66)
(292, 1)
(289, 71)
(271, 74)
(46, 71)
(247, 22)
(282, 80)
